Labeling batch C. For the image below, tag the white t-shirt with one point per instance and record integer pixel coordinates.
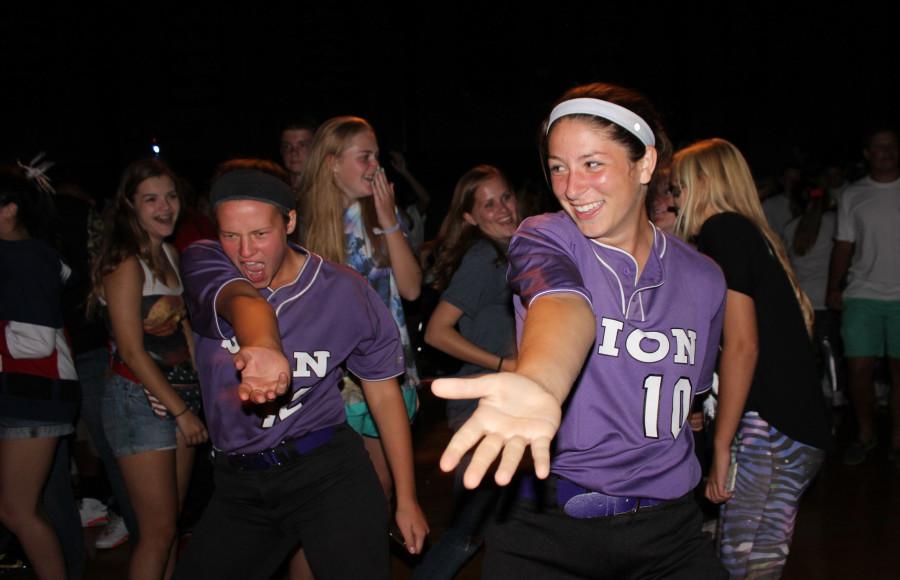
(812, 267)
(778, 212)
(869, 216)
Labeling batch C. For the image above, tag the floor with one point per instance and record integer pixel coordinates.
(849, 522)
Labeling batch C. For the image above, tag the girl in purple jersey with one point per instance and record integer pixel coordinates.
(151, 425)
(618, 327)
(771, 408)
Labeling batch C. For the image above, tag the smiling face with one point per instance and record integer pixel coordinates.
(355, 167)
(254, 237)
(494, 210)
(156, 205)
(596, 183)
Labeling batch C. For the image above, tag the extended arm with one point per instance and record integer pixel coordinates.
(265, 373)
(523, 408)
(441, 333)
(386, 403)
(737, 365)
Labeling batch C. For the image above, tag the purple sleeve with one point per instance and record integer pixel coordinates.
(711, 355)
(205, 271)
(542, 258)
(379, 354)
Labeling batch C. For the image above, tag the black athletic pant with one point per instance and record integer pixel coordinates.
(329, 501)
(662, 541)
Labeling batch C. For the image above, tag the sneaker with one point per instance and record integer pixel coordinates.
(857, 451)
(113, 535)
(93, 513)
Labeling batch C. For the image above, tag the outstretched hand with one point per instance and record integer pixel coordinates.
(265, 374)
(513, 413)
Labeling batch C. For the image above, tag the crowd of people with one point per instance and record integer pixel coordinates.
(270, 323)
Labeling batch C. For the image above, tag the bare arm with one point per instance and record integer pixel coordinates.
(265, 372)
(841, 256)
(386, 403)
(403, 262)
(122, 289)
(441, 333)
(523, 408)
(740, 348)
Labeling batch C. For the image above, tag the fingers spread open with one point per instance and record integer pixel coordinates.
(512, 455)
(459, 388)
(463, 440)
(484, 456)
(540, 452)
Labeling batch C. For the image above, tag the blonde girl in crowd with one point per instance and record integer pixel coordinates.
(351, 218)
(772, 422)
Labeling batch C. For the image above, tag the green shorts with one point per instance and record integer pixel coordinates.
(361, 420)
(871, 328)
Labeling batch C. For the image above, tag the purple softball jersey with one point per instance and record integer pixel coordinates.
(624, 430)
(328, 316)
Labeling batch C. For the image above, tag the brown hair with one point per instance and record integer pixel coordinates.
(456, 235)
(123, 235)
(634, 102)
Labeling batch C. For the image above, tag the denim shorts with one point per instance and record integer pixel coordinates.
(15, 428)
(129, 422)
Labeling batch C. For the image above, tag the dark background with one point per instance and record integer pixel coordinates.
(450, 84)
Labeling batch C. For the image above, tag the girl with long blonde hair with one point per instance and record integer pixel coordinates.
(350, 218)
(771, 425)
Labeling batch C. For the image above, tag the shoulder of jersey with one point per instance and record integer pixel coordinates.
(546, 220)
(340, 272)
(701, 264)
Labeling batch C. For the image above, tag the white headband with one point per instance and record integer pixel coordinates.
(606, 110)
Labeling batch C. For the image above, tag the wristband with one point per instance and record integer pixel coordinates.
(390, 230)
(180, 413)
(500, 364)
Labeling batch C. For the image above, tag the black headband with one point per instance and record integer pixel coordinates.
(254, 185)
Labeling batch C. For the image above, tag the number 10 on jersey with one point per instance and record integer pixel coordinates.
(681, 404)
